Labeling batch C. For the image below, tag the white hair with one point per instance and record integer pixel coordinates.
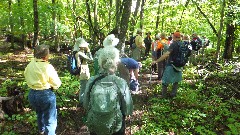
(108, 59)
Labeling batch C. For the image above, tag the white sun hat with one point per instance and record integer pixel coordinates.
(110, 40)
(81, 42)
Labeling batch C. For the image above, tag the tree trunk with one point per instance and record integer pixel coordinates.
(11, 23)
(158, 14)
(55, 34)
(96, 27)
(228, 49)
(118, 13)
(74, 19)
(230, 30)
(36, 24)
(124, 22)
(141, 14)
(134, 16)
(23, 35)
(219, 39)
(91, 30)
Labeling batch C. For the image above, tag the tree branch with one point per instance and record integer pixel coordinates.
(204, 15)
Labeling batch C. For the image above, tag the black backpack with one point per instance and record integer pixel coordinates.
(196, 44)
(132, 42)
(181, 54)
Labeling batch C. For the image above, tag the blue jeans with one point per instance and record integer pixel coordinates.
(44, 103)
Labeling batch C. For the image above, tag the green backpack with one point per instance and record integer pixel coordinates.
(105, 116)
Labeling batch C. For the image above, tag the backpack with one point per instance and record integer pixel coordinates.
(180, 56)
(104, 113)
(72, 64)
(133, 85)
(196, 44)
(159, 45)
(132, 42)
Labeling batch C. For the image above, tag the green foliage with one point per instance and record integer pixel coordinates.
(201, 107)
(146, 64)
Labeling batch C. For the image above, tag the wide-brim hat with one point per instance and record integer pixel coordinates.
(110, 40)
(81, 42)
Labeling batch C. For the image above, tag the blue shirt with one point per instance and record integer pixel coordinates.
(130, 63)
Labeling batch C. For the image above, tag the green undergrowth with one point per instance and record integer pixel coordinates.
(204, 105)
(207, 102)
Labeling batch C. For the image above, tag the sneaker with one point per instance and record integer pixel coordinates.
(41, 133)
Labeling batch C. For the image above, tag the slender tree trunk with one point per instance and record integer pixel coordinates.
(36, 24)
(74, 19)
(23, 35)
(158, 14)
(141, 14)
(134, 16)
(11, 23)
(124, 22)
(219, 39)
(96, 27)
(54, 18)
(118, 13)
(91, 29)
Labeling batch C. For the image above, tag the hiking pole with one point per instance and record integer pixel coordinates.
(72, 117)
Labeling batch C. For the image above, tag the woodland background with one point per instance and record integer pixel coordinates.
(208, 101)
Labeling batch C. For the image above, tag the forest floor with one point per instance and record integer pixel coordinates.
(73, 124)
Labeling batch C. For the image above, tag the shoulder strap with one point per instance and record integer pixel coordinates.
(94, 81)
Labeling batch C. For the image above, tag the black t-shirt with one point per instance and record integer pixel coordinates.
(173, 48)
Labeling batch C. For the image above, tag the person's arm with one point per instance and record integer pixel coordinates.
(78, 59)
(163, 57)
(153, 46)
(54, 80)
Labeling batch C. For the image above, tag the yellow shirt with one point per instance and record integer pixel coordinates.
(139, 41)
(41, 75)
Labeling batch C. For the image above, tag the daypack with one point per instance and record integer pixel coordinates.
(159, 45)
(104, 113)
(196, 44)
(72, 64)
(180, 56)
(133, 85)
(132, 42)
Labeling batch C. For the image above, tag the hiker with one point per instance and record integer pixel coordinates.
(154, 52)
(133, 67)
(148, 43)
(109, 41)
(196, 44)
(172, 74)
(43, 79)
(161, 49)
(82, 56)
(107, 98)
(136, 53)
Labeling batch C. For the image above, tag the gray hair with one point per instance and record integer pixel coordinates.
(108, 59)
(41, 51)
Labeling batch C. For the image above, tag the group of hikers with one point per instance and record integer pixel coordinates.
(106, 96)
